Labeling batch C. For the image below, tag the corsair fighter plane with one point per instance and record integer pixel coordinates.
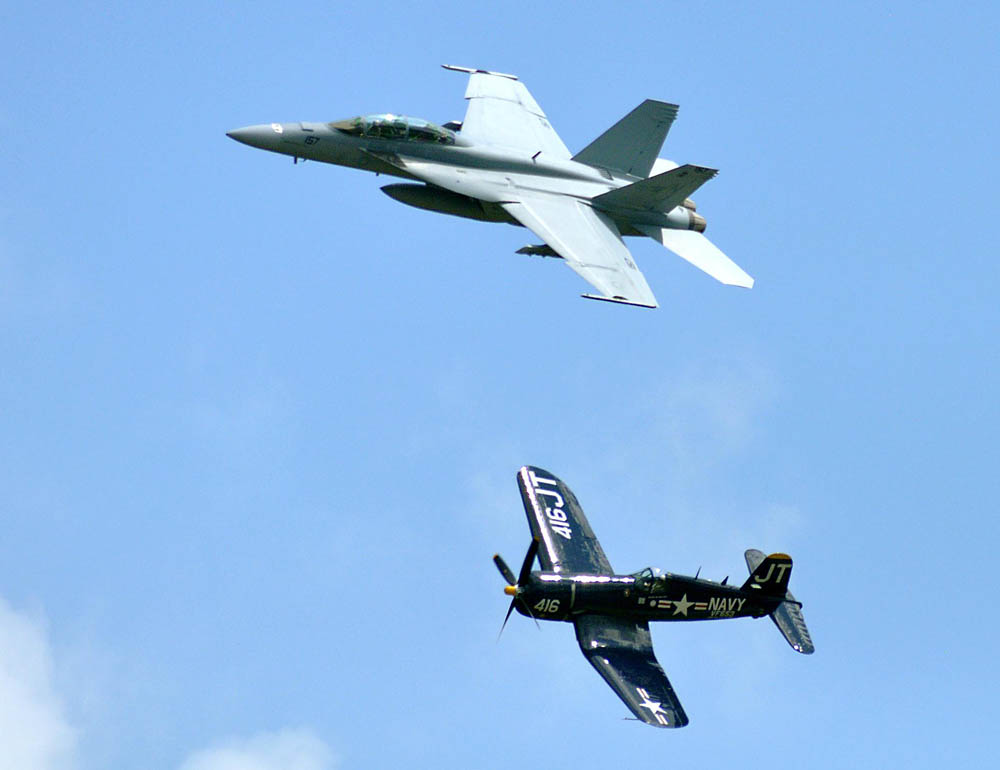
(505, 163)
(611, 611)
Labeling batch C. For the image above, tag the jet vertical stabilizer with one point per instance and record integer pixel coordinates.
(631, 145)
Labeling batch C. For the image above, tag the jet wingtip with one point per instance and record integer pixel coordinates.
(477, 71)
(622, 301)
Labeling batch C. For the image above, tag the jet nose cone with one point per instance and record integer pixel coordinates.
(261, 136)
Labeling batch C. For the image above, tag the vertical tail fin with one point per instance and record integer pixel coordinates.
(632, 144)
(769, 575)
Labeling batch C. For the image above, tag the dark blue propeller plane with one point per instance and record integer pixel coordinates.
(611, 612)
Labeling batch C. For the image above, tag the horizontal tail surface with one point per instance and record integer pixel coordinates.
(788, 618)
(661, 193)
(700, 252)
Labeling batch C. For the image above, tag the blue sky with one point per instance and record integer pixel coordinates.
(259, 423)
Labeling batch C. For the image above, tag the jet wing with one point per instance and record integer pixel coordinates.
(566, 541)
(503, 113)
(590, 243)
(622, 652)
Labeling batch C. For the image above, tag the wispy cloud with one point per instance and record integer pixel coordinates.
(289, 749)
(709, 411)
(36, 733)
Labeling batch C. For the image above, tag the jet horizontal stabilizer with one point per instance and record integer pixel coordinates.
(700, 252)
(661, 193)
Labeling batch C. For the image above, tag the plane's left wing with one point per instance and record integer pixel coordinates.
(622, 652)
(503, 113)
(566, 541)
(590, 243)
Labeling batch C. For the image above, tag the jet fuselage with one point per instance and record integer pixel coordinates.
(493, 175)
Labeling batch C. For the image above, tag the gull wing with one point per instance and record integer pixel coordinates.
(622, 652)
(566, 541)
(590, 243)
(503, 113)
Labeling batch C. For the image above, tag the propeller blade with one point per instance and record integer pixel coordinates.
(522, 580)
(529, 560)
(530, 613)
(504, 569)
(510, 609)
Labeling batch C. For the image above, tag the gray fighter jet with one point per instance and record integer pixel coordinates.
(505, 163)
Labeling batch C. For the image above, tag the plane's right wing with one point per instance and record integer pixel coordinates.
(590, 243)
(622, 652)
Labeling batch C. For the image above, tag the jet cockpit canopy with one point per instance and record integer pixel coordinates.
(397, 127)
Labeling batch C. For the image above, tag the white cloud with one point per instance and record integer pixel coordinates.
(35, 732)
(289, 749)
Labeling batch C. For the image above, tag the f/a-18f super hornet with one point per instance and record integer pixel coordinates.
(505, 163)
(611, 611)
